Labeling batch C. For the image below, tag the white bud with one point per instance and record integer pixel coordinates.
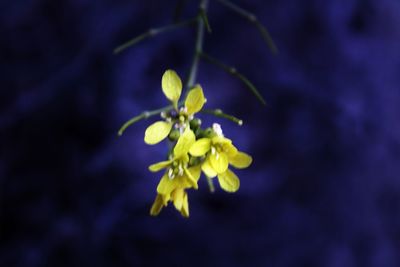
(217, 129)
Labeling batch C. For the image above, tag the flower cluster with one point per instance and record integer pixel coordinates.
(194, 149)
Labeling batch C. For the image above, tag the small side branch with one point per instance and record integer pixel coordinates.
(254, 20)
(221, 114)
(152, 33)
(143, 115)
(210, 184)
(235, 73)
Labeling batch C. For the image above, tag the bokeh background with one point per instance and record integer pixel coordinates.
(324, 188)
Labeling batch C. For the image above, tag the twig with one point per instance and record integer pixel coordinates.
(235, 73)
(204, 17)
(210, 184)
(253, 19)
(219, 113)
(198, 46)
(153, 32)
(143, 115)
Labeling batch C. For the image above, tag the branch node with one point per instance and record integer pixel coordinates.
(146, 114)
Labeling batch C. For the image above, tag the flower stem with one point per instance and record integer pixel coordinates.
(235, 73)
(210, 185)
(153, 32)
(143, 115)
(219, 113)
(198, 46)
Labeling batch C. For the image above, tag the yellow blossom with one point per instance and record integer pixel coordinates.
(172, 88)
(177, 177)
(219, 152)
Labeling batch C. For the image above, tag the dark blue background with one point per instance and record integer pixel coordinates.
(324, 188)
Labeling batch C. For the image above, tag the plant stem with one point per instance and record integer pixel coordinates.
(143, 115)
(152, 33)
(219, 113)
(210, 184)
(235, 73)
(198, 46)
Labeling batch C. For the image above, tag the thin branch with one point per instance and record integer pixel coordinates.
(152, 33)
(235, 73)
(198, 46)
(221, 114)
(143, 115)
(204, 17)
(254, 20)
(210, 184)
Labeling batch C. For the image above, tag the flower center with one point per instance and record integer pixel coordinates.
(176, 169)
(216, 150)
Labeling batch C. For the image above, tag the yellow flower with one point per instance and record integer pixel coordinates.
(177, 177)
(172, 87)
(219, 152)
(174, 190)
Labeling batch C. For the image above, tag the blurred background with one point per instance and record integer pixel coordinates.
(324, 187)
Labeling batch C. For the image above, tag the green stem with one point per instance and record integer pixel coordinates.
(235, 73)
(198, 46)
(143, 115)
(219, 113)
(252, 19)
(152, 33)
(210, 184)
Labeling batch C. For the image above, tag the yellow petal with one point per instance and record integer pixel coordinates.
(229, 149)
(229, 181)
(185, 141)
(195, 171)
(208, 169)
(159, 165)
(165, 199)
(185, 206)
(177, 197)
(157, 132)
(166, 185)
(191, 179)
(157, 205)
(200, 147)
(240, 160)
(195, 100)
(221, 140)
(171, 85)
(219, 162)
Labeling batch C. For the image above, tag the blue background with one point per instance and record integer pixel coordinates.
(324, 187)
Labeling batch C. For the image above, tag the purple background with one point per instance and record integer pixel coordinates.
(324, 188)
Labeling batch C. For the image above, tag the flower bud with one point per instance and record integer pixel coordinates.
(195, 124)
(174, 135)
